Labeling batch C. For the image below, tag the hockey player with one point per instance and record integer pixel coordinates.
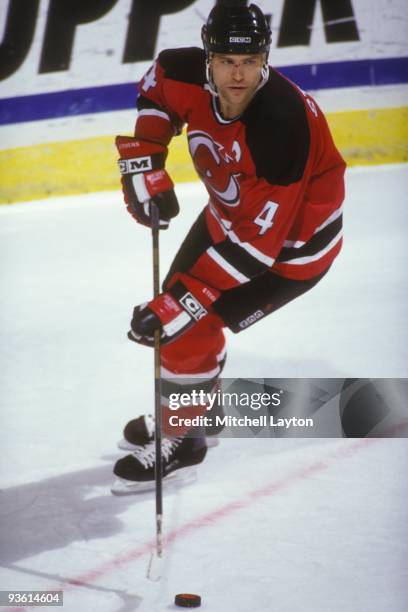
(272, 225)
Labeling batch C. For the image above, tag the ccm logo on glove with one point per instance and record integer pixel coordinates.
(186, 301)
(193, 306)
(145, 181)
(137, 164)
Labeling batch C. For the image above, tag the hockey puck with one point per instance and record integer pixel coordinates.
(187, 600)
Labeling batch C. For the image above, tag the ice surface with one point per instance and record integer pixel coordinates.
(283, 525)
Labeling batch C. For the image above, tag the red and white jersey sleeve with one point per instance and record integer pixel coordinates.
(156, 120)
(273, 175)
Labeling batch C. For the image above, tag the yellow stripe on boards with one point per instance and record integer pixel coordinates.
(366, 137)
(58, 168)
(63, 168)
(75, 166)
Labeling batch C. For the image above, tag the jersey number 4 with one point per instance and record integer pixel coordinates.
(265, 217)
(150, 79)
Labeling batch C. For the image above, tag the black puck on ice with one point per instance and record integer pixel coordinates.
(187, 600)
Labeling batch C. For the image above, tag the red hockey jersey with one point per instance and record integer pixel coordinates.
(274, 176)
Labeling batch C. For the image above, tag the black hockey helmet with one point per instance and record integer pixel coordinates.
(233, 27)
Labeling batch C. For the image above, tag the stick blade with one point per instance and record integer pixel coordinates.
(155, 567)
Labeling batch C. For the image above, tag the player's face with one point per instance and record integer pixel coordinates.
(236, 78)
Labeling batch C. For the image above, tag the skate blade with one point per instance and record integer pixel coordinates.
(182, 477)
(123, 444)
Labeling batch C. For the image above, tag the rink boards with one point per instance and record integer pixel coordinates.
(364, 137)
(71, 84)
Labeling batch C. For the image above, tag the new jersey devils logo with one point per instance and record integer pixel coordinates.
(211, 162)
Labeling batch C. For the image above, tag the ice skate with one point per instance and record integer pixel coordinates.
(137, 432)
(140, 431)
(136, 472)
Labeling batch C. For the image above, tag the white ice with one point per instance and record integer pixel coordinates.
(270, 525)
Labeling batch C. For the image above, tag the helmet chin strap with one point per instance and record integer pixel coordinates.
(264, 76)
(211, 85)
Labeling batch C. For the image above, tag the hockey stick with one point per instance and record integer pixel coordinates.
(154, 569)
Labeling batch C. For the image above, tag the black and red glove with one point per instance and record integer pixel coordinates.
(145, 180)
(174, 311)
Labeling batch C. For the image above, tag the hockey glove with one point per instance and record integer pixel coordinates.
(144, 179)
(173, 312)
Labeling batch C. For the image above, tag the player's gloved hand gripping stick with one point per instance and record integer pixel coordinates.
(144, 180)
(173, 312)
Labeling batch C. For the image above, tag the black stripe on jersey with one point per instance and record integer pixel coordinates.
(146, 104)
(240, 259)
(186, 65)
(317, 243)
(277, 131)
(197, 241)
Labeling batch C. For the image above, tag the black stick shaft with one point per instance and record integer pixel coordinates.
(157, 385)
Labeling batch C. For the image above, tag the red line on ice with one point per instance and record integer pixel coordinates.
(212, 517)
